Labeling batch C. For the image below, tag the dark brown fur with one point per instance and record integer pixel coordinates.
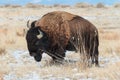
(62, 27)
(85, 37)
(56, 26)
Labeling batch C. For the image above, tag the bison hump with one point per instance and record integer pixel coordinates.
(55, 25)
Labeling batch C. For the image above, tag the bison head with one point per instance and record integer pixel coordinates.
(37, 42)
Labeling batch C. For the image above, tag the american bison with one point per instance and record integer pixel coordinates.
(59, 31)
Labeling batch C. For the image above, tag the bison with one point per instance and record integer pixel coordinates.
(59, 31)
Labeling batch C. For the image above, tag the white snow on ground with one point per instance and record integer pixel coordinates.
(31, 76)
(23, 57)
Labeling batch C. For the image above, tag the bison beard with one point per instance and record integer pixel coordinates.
(66, 31)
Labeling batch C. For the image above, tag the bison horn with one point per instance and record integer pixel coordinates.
(28, 24)
(40, 34)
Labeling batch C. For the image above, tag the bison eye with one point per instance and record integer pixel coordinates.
(37, 43)
(32, 54)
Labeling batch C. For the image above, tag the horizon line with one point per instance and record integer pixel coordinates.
(55, 3)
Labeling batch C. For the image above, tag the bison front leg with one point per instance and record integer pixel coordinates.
(59, 54)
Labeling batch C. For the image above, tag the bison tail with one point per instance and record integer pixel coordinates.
(96, 52)
(97, 39)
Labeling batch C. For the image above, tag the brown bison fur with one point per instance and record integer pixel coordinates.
(56, 26)
(62, 27)
(85, 37)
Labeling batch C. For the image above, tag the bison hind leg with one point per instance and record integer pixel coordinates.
(96, 57)
(94, 53)
(92, 59)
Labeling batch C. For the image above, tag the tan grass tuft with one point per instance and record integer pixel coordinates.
(21, 32)
(1, 76)
(111, 36)
(83, 5)
(100, 5)
(117, 5)
(2, 50)
(32, 5)
(118, 50)
(10, 41)
(4, 31)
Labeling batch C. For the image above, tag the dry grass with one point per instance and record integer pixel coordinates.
(20, 32)
(31, 5)
(83, 5)
(2, 50)
(117, 5)
(109, 40)
(78, 5)
(13, 38)
(110, 35)
(1, 76)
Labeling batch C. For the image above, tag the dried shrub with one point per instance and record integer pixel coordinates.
(61, 5)
(48, 6)
(10, 41)
(65, 6)
(4, 31)
(7, 5)
(83, 5)
(21, 33)
(12, 6)
(110, 36)
(56, 5)
(118, 50)
(117, 5)
(100, 5)
(1, 6)
(2, 50)
(31, 5)
(1, 76)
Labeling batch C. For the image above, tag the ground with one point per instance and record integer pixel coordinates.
(17, 64)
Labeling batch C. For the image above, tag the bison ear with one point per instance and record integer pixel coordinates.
(40, 35)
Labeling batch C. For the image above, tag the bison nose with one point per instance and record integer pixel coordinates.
(38, 58)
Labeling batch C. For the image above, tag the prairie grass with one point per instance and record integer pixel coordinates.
(110, 35)
(2, 50)
(12, 38)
